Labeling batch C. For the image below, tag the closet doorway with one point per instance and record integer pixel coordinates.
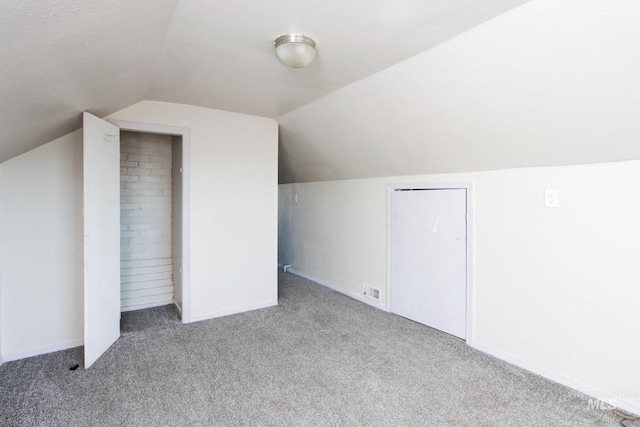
(154, 206)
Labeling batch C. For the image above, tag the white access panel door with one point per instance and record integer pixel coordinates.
(429, 257)
(101, 191)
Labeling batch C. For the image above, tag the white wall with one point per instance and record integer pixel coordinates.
(555, 289)
(233, 204)
(41, 249)
(233, 226)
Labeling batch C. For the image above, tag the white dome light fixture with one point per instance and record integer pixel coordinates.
(295, 50)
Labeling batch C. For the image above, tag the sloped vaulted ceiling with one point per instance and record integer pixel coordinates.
(549, 83)
(398, 88)
(60, 57)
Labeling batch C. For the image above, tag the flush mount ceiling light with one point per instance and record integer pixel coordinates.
(295, 50)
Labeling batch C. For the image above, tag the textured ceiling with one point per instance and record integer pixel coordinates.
(61, 57)
(550, 83)
(220, 54)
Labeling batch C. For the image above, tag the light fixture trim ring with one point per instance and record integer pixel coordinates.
(294, 38)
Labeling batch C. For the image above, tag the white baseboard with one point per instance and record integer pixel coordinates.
(615, 401)
(37, 351)
(222, 313)
(353, 295)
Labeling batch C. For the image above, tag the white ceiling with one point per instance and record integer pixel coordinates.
(553, 82)
(61, 57)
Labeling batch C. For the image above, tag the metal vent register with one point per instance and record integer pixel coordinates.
(371, 292)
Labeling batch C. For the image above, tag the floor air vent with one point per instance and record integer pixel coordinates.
(371, 292)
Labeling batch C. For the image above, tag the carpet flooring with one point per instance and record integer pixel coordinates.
(317, 359)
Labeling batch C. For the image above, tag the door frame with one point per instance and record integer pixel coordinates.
(185, 133)
(458, 185)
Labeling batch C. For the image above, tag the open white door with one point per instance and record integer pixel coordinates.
(101, 191)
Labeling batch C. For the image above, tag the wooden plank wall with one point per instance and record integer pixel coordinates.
(146, 272)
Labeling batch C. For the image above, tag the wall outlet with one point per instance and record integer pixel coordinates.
(551, 198)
